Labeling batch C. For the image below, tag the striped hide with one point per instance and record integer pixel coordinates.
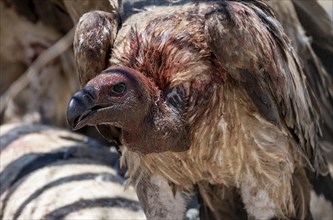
(49, 173)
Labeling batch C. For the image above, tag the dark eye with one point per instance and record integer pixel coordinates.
(119, 88)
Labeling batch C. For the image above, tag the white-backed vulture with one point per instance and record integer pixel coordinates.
(209, 96)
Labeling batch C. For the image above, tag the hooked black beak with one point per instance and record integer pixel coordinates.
(80, 106)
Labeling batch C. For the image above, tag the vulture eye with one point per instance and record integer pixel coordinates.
(119, 88)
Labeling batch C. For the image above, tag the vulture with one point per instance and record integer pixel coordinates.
(208, 97)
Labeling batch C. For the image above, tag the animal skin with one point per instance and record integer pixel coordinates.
(52, 173)
(207, 96)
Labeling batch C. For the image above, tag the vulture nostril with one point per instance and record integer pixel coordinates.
(88, 96)
(88, 93)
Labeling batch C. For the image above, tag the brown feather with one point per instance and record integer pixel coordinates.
(93, 40)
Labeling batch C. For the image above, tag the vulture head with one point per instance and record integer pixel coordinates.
(125, 99)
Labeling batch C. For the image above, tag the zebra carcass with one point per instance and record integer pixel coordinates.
(49, 173)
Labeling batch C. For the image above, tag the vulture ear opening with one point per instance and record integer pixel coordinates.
(176, 98)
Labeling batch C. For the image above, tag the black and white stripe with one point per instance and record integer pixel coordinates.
(49, 173)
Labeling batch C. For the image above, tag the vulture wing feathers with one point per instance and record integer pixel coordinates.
(318, 26)
(93, 41)
(311, 35)
(260, 58)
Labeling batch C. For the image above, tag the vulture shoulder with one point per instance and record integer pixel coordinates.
(250, 43)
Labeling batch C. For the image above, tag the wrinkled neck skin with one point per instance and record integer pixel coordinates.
(161, 129)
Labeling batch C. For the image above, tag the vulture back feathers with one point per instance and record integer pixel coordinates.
(212, 96)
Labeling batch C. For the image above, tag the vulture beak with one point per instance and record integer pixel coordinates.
(80, 106)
